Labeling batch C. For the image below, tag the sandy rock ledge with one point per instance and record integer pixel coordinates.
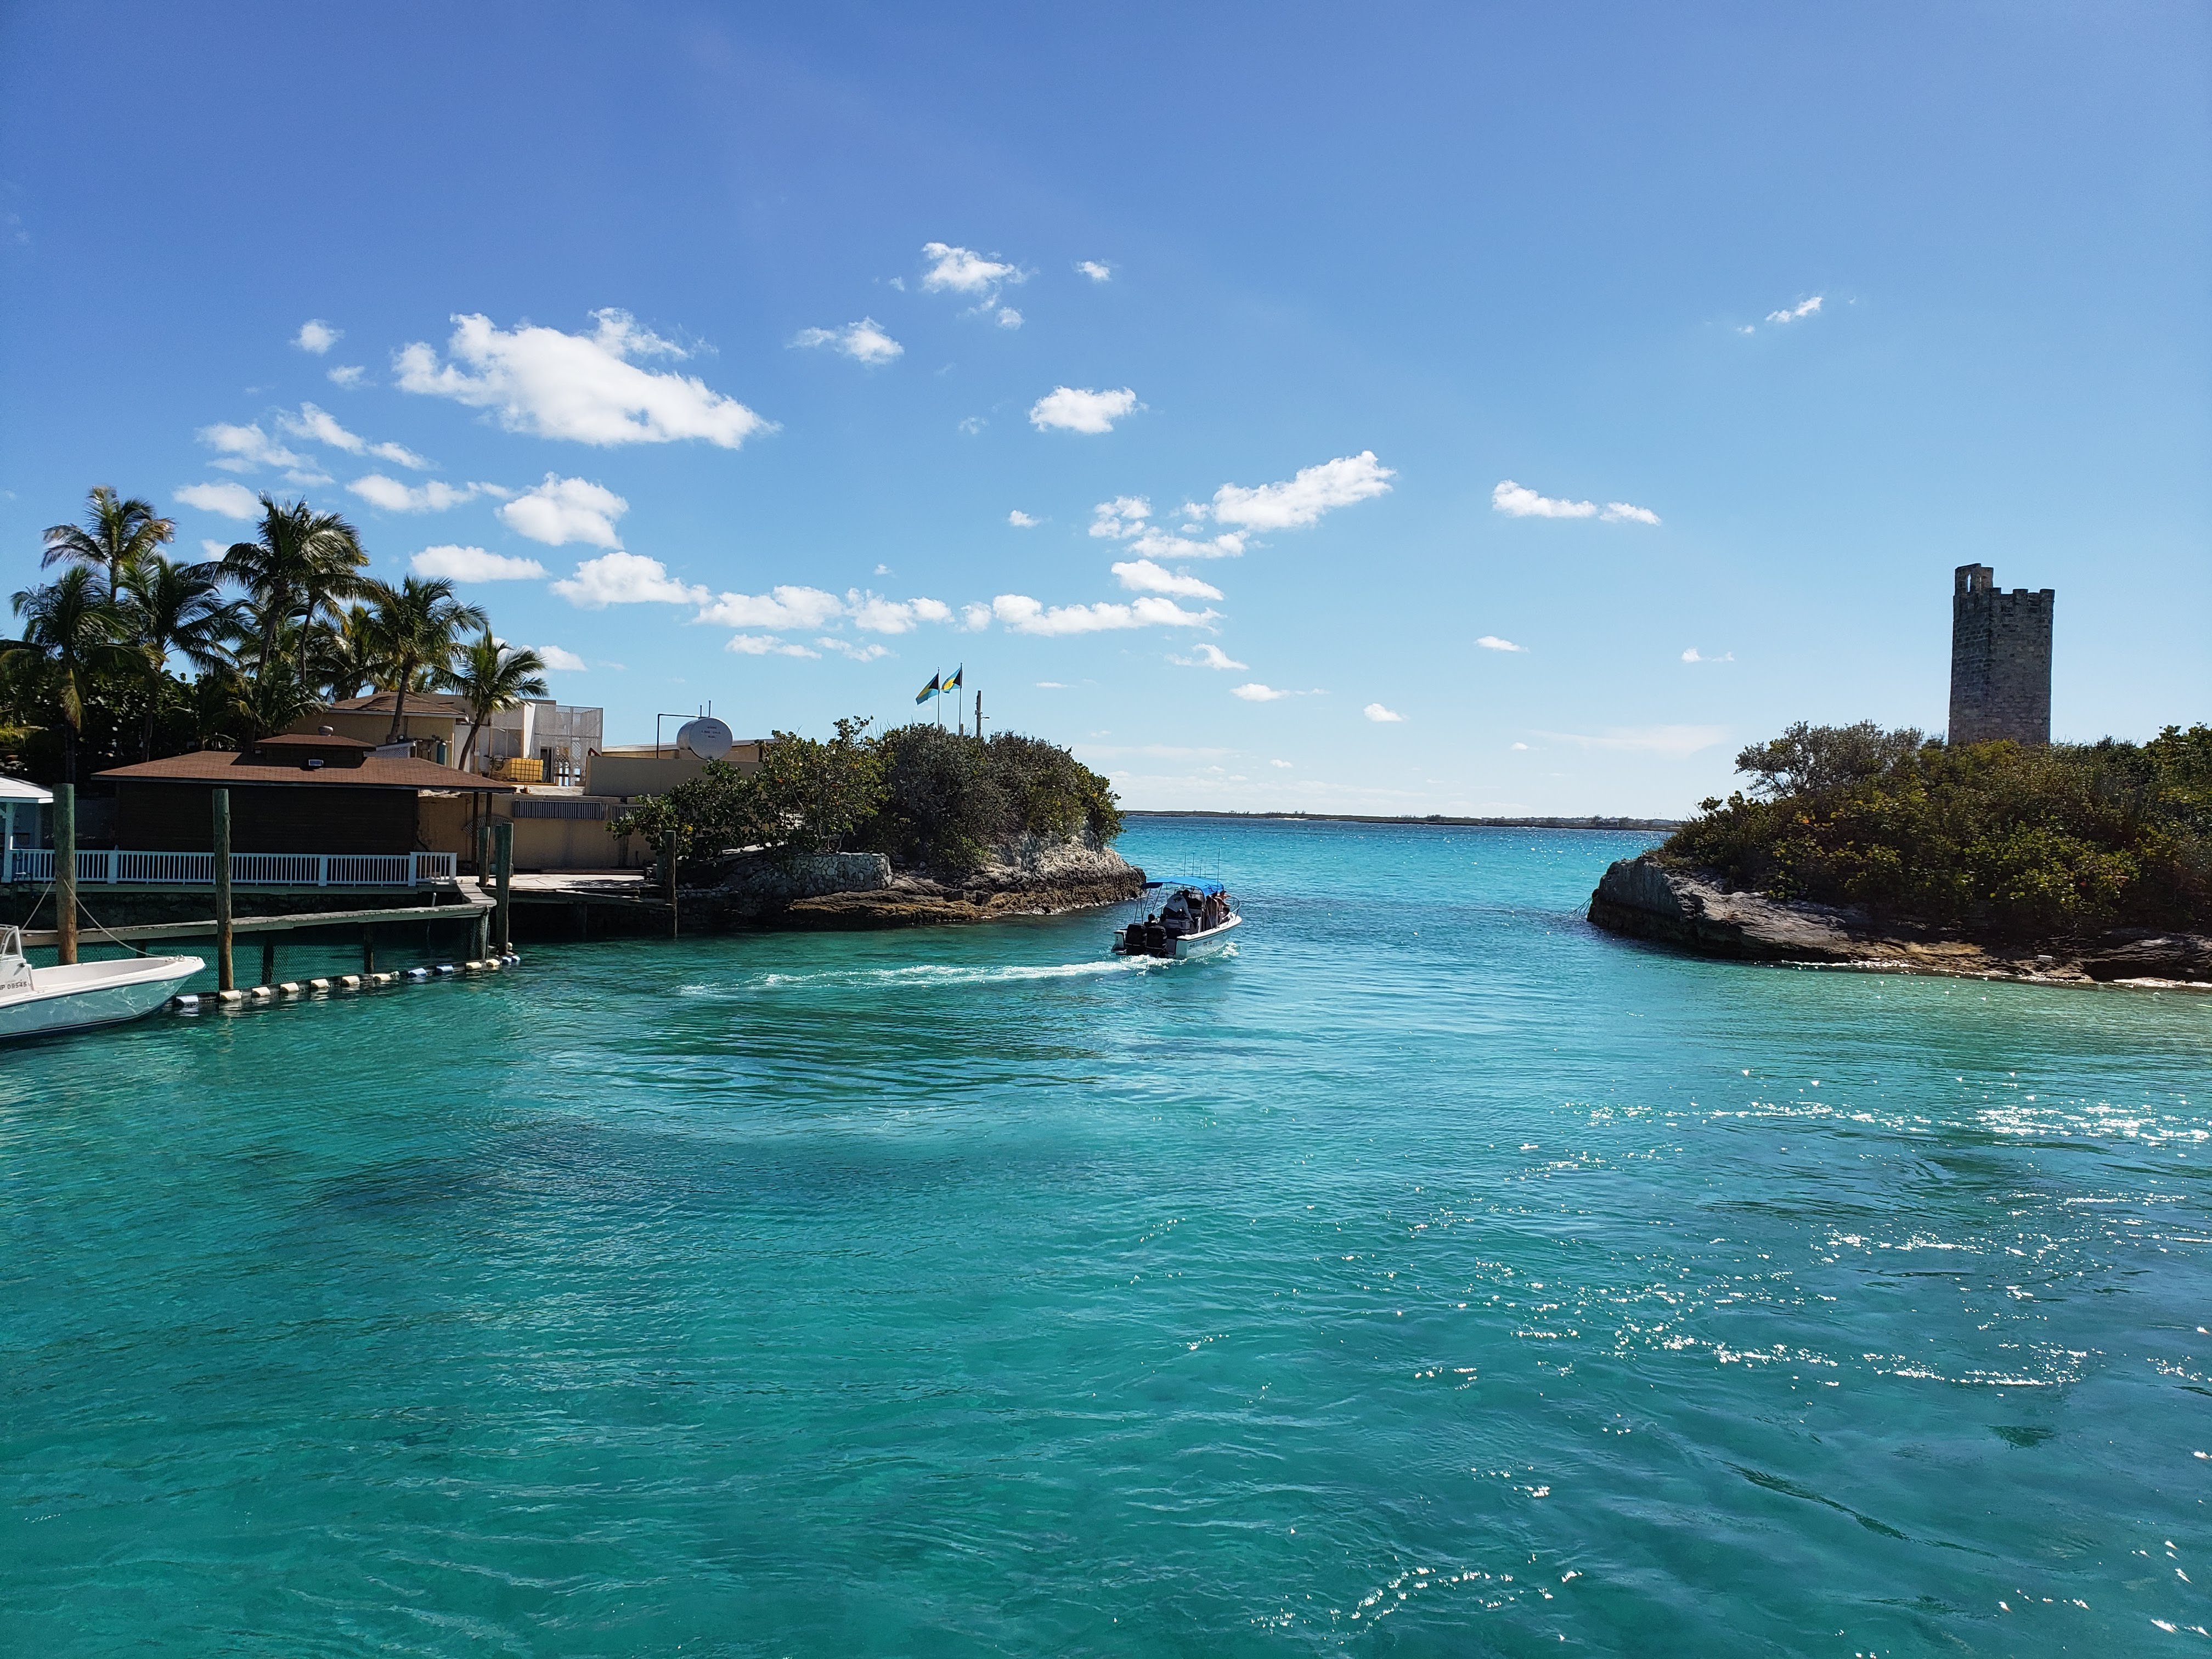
(1693, 910)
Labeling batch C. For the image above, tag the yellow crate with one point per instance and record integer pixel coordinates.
(515, 769)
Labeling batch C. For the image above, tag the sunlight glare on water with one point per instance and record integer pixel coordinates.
(1432, 1275)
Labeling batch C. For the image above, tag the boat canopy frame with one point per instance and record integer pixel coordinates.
(1207, 889)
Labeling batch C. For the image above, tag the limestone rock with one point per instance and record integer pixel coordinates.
(1645, 899)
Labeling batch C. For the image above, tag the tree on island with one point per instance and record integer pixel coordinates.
(1993, 838)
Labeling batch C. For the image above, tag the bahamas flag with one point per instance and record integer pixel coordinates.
(932, 689)
(951, 682)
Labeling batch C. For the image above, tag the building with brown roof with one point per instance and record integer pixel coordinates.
(298, 793)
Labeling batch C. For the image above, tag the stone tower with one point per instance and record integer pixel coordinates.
(1999, 660)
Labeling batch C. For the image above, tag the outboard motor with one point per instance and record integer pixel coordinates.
(1155, 940)
(1133, 941)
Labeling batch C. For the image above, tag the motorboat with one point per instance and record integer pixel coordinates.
(41, 1001)
(1194, 919)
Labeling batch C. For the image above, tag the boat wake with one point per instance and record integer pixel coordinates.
(938, 974)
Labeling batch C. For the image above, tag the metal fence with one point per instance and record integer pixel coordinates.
(110, 868)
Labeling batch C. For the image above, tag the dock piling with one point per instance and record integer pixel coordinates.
(225, 979)
(65, 871)
(368, 948)
(503, 857)
(269, 960)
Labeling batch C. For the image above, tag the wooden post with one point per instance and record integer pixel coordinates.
(65, 871)
(668, 870)
(224, 978)
(368, 948)
(503, 858)
(484, 848)
(269, 960)
(482, 937)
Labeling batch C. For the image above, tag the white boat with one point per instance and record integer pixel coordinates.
(1195, 918)
(41, 1001)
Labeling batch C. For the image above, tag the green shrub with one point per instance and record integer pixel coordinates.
(1992, 838)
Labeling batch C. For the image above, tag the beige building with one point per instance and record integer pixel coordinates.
(569, 788)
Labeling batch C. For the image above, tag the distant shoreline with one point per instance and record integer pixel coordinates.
(1432, 818)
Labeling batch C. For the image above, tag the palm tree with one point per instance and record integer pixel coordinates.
(78, 636)
(419, 624)
(169, 608)
(345, 657)
(300, 562)
(115, 535)
(493, 676)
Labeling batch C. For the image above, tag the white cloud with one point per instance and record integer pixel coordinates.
(1021, 521)
(1492, 642)
(1072, 409)
(867, 652)
(1304, 499)
(1382, 716)
(1158, 544)
(1255, 692)
(1009, 318)
(1052, 685)
(584, 387)
(625, 578)
(802, 608)
(1283, 764)
(1023, 615)
(232, 501)
(318, 337)
(559, 661)
(347, 377)
(873, 614)
(972, 424)
(214, 550)
(314, 424)
(246, 448)
(864, 342)
(765, 645)
(1206, 654)
(1673, 740)
(963, 271)
(306, 477)
(563, 510)
(1809, 308)
(975, 617)
(1519, 501)
(1097, 270)
(474, 564)
(393, 496)
(1691, 655)
(1521, 746)
(1122, 518)
(1145, 577)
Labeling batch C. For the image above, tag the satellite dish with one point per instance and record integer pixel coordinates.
(705, 736)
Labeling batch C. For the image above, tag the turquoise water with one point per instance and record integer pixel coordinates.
(1433, 1276)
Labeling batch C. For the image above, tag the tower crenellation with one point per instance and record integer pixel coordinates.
(2000, 659)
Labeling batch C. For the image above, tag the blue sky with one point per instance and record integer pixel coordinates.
(1611, 334)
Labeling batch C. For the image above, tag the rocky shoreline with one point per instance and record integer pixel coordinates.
(1028, 876)
(1695, 911)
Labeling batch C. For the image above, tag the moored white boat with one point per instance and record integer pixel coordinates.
(43, 1002)
(1196, 918)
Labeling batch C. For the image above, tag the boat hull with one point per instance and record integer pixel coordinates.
(1184, 946)
(91, 993)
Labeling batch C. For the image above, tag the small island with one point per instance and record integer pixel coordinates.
(2064, 862)
(914, 825)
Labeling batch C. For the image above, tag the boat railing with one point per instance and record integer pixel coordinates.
(114, 867)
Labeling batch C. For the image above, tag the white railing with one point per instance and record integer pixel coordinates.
(108, 868)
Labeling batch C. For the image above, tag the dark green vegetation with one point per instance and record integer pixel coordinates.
(929, 798)
(276, 626)
(1995, 839)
